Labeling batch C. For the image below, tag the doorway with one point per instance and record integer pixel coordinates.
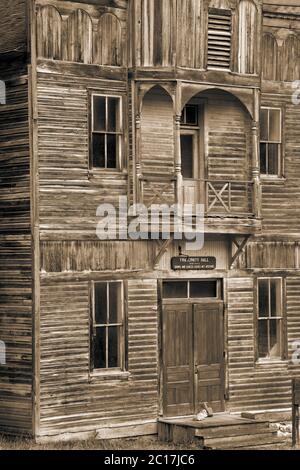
(192, 347)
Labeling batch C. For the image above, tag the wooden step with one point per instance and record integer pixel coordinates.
(271, 416)
(233, 430)
(237, 442)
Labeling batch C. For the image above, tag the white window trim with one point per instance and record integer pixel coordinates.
(280, 175)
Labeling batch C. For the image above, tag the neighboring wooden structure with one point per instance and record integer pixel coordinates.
(162, 101)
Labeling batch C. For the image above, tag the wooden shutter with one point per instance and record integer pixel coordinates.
(219, 38)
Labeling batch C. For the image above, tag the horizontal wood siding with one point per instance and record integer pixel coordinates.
(69, 191)
(15, 262)
(13, 26)
(71, 399)
(251, 386)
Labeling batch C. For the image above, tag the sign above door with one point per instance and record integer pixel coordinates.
(193, 263)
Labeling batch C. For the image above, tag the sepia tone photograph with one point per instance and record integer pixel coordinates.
(150, 228)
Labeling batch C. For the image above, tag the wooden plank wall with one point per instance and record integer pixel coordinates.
(15, 261)
(13, 26)
(252, 386)
(72, 399)
(69, 192)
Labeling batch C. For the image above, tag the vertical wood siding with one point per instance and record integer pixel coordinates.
(15, 262)
(71, 399)
(269, 57)
(189, 37)
(248, 39)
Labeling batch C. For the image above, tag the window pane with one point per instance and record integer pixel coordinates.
(187, 156)
(274, 125)
(264, 134)
(263, 297)
(275, 338)
(273, 159)
(113, 107)
(263, 159)
(113, 347)
(101, 303)
(263, 348)
(112, 151)
(202, 289)
(98, 150)
(192, 115)
(100, 349)
(175, 290)
(276, 298)
(99, 113)
(115, 303)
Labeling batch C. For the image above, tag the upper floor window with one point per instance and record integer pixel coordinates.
(189, 139)
(108, 344)
(270, 318)
(270, 142)
(107, 132)
(219, 38)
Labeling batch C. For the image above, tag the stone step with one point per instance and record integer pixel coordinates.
(233, 430)
(238, 442)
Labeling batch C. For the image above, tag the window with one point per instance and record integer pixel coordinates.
(107, 132)
(270, 142)
(195, 289)
(108, 326)
(189, 141)
(270, 318)
(219, 39)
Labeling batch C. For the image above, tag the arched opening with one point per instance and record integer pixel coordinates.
(157, 145)
(110, 35)
(80, 37)
(247, 37)
(290, 58)
(216, 152)
(49, 41)
(269, 57)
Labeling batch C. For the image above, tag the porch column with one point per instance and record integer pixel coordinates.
(178, 173)
(138, 168)
(256, 156)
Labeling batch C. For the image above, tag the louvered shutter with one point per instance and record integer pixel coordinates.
(219, 38)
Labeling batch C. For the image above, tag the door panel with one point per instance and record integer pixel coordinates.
(178, 393)
(209, 355)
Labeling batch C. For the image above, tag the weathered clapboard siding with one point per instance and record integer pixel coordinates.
(281, 198)
(90, 34)
(272, 255)
(13, 26)
(71, 398)
(69, 191)
(15, 262)
(251, 386)
(293, 322)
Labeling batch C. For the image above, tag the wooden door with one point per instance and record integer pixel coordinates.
(178, 364)
(209, 355)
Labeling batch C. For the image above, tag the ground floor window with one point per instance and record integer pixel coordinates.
(270, 318)
(107, 345)
(193, 289)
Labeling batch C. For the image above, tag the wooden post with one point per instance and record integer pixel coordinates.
(295, 411)
(255, 156)
(138, 168)
(179, 179)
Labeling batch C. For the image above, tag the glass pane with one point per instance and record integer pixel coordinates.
(187, 156)
(112, 120)
(203, 289)
(175, 290)
(191, 115)
(263, 297)
(112, 151)
(101, 303)
(115, 303)
(263, 348)
(263, 159)
(264, 133)
(98, 150)
(100, 349)
(276, 298)
(273, 159)
(274, 125)
(113, 347)
(99, 113)
(275, 338)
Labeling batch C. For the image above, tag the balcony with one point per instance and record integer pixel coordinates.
(231, 206)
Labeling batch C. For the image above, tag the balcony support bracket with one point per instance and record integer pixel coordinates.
(163, 248)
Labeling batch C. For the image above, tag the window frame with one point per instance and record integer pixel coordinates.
(121, 147)
(282, 318)
(121, 325)
(280, 174)
(188, 298)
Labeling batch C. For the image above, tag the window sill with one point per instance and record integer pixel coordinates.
(109, 375)
(99, 172)
(273, 179)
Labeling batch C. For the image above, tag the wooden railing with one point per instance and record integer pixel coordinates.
(229, 197)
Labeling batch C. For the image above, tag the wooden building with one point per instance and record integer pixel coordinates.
(162, 101)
